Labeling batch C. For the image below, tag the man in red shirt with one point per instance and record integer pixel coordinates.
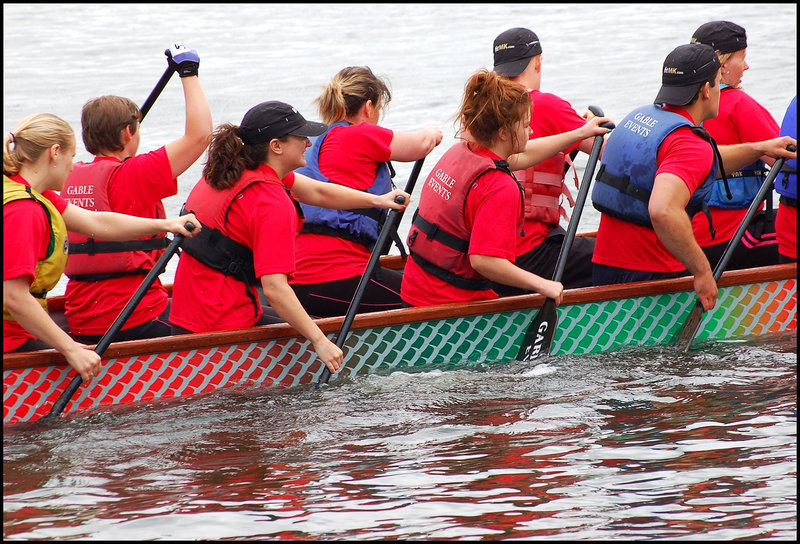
(657, 162)
(104, 275)
(518, 56)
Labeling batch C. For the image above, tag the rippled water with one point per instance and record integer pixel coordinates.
(640, 444)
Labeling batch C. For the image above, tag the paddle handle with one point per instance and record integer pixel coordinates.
(165, 77)
(387, 229)
(580, 201)
(123, 316)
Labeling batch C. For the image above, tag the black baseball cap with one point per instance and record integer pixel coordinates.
(513, 50)
(724, 36)
(686, 68)
(275, 119)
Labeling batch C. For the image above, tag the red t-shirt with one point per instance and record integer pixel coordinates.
(624, 245)
(491, 213)
(551, 115)
(22, 253)
(350, 156)
(264, 219)
(134, 189)
(786, 231)
(741, 119)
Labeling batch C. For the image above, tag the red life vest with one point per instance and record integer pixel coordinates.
(543, 185)
(212, 246)
(438, 240)
(94, 260)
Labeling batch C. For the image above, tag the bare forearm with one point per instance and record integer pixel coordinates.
(540, 149)
(504, 271)
(675, 232)
(27, 311)
(119, 227)
(285, 303)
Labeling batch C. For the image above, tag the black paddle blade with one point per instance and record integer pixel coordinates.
(539, 336)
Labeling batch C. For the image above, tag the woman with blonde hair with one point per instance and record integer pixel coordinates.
(37, 158)
(740, 119)
(335, 245)
(471, 208)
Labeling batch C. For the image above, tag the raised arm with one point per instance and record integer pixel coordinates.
(184, 151)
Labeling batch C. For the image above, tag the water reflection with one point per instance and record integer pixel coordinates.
(643, 444)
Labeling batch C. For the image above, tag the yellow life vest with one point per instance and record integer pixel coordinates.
(48, 271)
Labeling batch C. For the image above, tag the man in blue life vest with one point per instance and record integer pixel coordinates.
(657, 167)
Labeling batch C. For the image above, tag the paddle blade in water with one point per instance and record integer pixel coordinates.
(539, 336)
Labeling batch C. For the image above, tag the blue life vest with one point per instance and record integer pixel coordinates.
(744, 184)
(626, 177)
(786, 184)
(361, 225)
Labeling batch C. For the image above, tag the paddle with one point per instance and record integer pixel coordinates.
(148, 103)
(692, 324)
(538, 338)
(574, 153)
(388, 228)
(123, 316)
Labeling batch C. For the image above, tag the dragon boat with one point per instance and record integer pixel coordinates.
(751, 303)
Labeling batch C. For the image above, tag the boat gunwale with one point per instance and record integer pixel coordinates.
(49, 357)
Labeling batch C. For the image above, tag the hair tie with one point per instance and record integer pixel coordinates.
(13, 140)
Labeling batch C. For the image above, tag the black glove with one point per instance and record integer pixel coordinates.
(183, 60)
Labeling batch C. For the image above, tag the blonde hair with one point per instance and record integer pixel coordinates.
(348, 91)
(33, 136)
(723, 58)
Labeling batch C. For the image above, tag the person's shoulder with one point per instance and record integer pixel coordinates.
(539, 96)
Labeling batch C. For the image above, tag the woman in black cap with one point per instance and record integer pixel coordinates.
(247, 203)
(740, 119)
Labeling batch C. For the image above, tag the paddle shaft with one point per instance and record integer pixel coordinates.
(692, 324)
(538, 338)
(165, 77)
(123, 316)
(389, 226)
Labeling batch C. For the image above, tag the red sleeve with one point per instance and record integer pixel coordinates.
(350, 154)
(142, 181)
(553, 115)
(687, 156)
(21, 253)
(492, 210)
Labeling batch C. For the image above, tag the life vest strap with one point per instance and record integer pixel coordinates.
(433, 232)
(449, 277)
(92, 246)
